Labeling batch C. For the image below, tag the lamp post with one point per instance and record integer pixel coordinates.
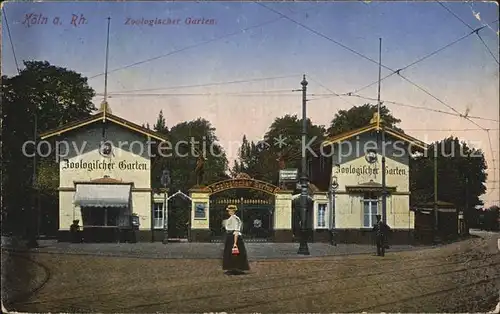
(34, 225)
(303, 248)
(165, 181)
(436, 213)
(333, 187)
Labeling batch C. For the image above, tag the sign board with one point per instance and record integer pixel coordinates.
(93, 165)
(289, 175)
(367, 170)
(242, 184)
(200, 211)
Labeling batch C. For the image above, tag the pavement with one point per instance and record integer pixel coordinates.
(460, 277)
(256, 251)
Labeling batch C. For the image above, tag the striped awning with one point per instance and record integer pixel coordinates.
(102, 195)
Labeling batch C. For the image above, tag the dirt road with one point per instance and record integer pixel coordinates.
(461, 277)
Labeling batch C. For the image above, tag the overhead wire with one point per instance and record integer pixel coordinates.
(453, 114)
(4, 15)
(374, 61)
(329, 90)
(368, 58)
(10, 39)
(470, 27)
(412, 64)
(320, 34)
(199, 94)
(478, 17)
(428, 109)
(210, 84)
(187, 48)
(494, 58)
(191, 46)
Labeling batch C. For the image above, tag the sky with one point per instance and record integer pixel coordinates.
(254, 56)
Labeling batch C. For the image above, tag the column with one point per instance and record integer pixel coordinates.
(200, 216)
(283, 217)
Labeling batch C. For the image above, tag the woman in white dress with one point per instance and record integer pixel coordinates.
(235, 260)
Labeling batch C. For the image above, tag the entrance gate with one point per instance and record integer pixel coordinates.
(256, 214)
(265, 210)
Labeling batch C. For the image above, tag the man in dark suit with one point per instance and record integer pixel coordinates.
(381, 230)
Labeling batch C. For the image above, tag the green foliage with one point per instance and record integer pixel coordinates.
(263, 165)
(358, 117)
(461, 175)
(252, 161)
(191, 139)
(160, 125)
(57, 96)
(48, 177)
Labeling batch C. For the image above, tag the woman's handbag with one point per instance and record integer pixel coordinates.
(235, 251)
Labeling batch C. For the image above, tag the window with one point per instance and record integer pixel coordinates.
(158, 215)
(93, 216)
(322, 216)
(101, 216)
(370, 210)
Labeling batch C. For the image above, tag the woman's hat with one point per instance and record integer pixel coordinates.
(232, 207)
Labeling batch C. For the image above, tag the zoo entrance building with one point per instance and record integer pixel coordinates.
(105, 179)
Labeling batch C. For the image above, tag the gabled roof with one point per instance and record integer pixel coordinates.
(375, 127)
(103, 116)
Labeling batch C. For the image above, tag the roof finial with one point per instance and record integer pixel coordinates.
(105, 107)
(375, 118)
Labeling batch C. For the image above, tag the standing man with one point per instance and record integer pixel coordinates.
(381, 230)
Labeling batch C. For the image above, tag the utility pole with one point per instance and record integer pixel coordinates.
(436, 213)
(333, 188)
(466, 210)
(165, 181)
(303, 248)
(34, 228)
(466, 213)
(106, 65)
(381, 127)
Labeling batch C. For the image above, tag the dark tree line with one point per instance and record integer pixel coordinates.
(461, 169)
(56, 96)
(53, 96)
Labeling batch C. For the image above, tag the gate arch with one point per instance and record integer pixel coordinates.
(242, 181)
(256, 211)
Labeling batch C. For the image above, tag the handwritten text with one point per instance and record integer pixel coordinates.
(32, 19)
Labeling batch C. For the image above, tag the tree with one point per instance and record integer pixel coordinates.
(55, 96)
(461, 175)
(188, 140)
(283, 138)
(251, 160)
(289, 129)
(161, 124)
(358, 117)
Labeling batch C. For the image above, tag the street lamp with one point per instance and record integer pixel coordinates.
(303, 248)
(165, 181)
(333, 187)
(34, 227)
